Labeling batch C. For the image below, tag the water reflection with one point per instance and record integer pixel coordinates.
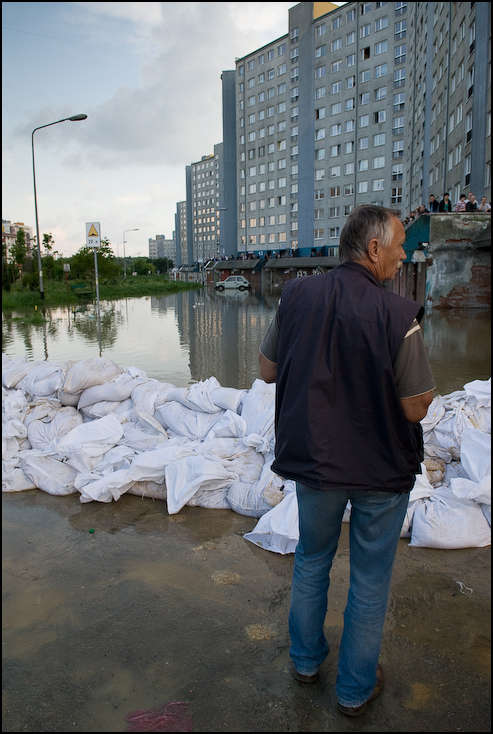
(189, 336)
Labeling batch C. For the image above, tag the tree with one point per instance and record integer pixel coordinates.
(48, 243)
(18, 250)
(82, 263)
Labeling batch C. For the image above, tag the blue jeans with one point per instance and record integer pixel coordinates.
(376, 522)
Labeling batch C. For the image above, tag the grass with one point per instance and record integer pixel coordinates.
(56, 292)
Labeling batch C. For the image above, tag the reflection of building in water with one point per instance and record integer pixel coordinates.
(222, 333)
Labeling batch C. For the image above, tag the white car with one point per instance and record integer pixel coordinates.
(233, 281)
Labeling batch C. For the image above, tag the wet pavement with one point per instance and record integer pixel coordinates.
(151, 608)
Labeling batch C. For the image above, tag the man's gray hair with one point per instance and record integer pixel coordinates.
(366, 222)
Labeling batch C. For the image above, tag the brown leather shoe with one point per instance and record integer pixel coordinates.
(358, 710)
(306, 678)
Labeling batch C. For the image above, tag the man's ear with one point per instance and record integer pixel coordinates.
(373, 250)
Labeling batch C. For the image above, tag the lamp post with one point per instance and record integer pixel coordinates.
(124, 261)
(74, 118)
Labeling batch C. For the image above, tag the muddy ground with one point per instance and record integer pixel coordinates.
(152, 608)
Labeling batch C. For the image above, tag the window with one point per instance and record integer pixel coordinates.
(335, 172)
(398, 125)
(380, 116)
(364, 30)
(364, 98)
(319, 72)
(400, 30)
(350, 125)
(363, 164)
(319, 194)
(334, 192)
(334, 212)
(335, 87)
(348, 169)
(362, 187)
(364, 76)
(364, 120)
(320, 30)
(334, 232)
(348, 189)
(400, 77)
(350, 60)
(400, 54)
(320, 51)
(380, 70)
(378, 184)
(381, 23)
(350, 15)
(380, 93)
(320, 154)
(349, 147)
(334, 130)
(350, 38)
(378, 139)
(399, 100)
(350, 104)
(380, 48)
(281, 49)
(336, 23)
(336, 44)
(335, 150)
(318, 234)
(336, 66)
(336, 108)
(319, 174)
(319, 115)
(318, 213)
(397, 148)
(319, 94)
(378, 162)
(396, 195)
(397, 171)
(350, 82)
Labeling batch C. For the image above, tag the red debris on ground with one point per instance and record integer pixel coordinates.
(167, 717)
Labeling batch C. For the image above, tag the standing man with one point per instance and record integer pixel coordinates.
(353, 382)
(433, 204)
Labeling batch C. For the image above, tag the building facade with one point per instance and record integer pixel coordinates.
(448, 123)
(9, 234)
(161, 247)
(204, 206)
(355, 104)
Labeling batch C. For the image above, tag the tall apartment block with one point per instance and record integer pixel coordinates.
(447, 138)
(181, 257)
(373, 102)
(204, 206)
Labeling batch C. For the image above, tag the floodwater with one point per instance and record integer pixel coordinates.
(190, 336)
(152, 608)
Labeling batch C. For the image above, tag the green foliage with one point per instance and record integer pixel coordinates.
(18, 250)
(31, 281)
(82, 263)
(162, 264)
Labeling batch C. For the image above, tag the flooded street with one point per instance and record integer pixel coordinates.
(112, 608)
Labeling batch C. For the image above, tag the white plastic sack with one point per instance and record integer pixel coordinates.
(196, 475)
(88, 372)
(151, 465)
(95, 438)
(277, 530)
(229, 425)
(151, 490)
(481, 390)
(14, 479)
(115, 391)
(149, 395)
(47, 473)
(444, 521)
(258, 409)
(191, 424)
(42, 432)
(105, 407)
(46, 378)
(475, 454)
(103, 488)
(13, 372)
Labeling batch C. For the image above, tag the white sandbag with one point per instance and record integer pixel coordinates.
(258, 409)
(43, 380)
(94, 438)
(277, 530)
(435, 413)
(88, 372)
(140, 440)
(105, 407)
(104, 488)
(147, 423)
(191, 424)
(68, 398)
(14, 479)
(149, 395)
(118, 389)
(235, 456)
(152, 490)
(42, 409)
(251, 499)
(48, 474)
(229, 425)
(14, 436)
(195, 474)
(475, 453)
(467, 489)
(42, 432)
(151, 465)
(228, 398)
(119, 457)
(197, 396)
(444, 521)
(14, 403)
(481, 390)
(15, 371)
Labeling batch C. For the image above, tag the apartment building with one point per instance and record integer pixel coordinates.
(203, 180)
(9, 234)
(181, 234)
(448, 125)
(159, 246)
(355, 104)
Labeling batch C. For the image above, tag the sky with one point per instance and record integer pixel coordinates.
(148, 77)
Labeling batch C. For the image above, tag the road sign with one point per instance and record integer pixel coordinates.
(93, 234)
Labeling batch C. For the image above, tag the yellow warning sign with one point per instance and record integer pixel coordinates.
(93, 234)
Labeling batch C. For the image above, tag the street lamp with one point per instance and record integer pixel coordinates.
(124, 261)
(74, 118)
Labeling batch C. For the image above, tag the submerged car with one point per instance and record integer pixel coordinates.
(233, 281)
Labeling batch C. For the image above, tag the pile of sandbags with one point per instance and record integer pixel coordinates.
(93, 428)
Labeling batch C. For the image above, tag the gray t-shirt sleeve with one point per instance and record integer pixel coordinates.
(412, 370)
(269, 343)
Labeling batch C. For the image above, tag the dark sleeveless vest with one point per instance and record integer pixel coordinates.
(339, 420)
